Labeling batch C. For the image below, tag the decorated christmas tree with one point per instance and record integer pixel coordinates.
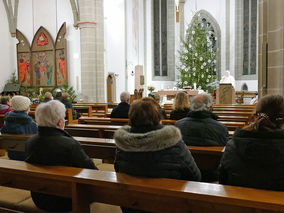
(197, 57)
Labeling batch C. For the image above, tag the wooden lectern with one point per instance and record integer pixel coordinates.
(226, 94)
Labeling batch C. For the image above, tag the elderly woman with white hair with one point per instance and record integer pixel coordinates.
(201, 128)
(53, 146)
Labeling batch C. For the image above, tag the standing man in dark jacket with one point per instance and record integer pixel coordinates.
(121, 111)
(19, 122)
(53, 146)
(201, 128)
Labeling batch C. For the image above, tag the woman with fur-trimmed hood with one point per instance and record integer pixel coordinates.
(148, 149)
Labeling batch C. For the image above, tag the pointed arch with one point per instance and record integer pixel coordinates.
(217, 32)
(23, 59)
(43, 59)
(61, 57)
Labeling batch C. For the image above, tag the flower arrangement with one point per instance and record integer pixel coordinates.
(151, 88)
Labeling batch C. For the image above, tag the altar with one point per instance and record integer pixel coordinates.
(172, 93)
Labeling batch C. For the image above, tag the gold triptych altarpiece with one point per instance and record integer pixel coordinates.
(44, 63)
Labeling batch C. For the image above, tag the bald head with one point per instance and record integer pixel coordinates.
(202, 102)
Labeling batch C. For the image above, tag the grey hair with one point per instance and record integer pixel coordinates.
(48, 95)
(48, 114)
(202, 102)
(124, 96)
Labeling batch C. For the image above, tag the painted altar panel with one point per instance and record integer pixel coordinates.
(61, 67)
(23, 60)
(24, 68)
(43, 64)
(43, 69)
(61, 57)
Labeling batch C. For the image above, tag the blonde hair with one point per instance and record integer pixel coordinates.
(181, 101)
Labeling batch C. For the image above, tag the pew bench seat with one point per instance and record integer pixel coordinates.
(19, 201)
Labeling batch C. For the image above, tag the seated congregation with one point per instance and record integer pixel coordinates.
(146, 148)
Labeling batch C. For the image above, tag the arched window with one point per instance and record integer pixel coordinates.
(246, 40)
(244, 87)
(249, 36)
(205, 18)
(163, 26)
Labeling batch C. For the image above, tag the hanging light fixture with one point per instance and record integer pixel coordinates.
(177, 10)
(177, 5)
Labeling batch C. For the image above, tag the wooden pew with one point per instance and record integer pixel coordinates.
(249, 115)
(232, 125)
(109, 105)
(99, 110)
(150, 194)
(103, 121)
(101, 148)
(85, 130)
(87, 110)
(101, 131)
(241, 106)
(234, 109)
(233, 118)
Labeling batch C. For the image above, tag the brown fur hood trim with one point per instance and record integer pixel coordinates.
(155, 140)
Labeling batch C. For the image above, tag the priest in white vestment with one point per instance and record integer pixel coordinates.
(228, 79)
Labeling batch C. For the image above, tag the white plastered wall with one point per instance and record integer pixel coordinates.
(115, 42)
(8, 49)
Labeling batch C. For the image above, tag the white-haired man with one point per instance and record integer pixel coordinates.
(201, 128)
(53, 146)
(122, 109)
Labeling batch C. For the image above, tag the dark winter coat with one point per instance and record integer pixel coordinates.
(164, 114)
(54, 147)
(156, 152)
(254, 159)
(68, 105)
(120, 111)
(179, 114)
(201, 128)
(16, 122)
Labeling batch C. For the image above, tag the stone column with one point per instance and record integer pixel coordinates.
(271, 47)
(91, 26)
(181, 19)
(228, 34)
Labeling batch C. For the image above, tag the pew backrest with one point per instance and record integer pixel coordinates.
(102, 148)
(150, 194)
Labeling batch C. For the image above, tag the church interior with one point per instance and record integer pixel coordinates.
(141, 106)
